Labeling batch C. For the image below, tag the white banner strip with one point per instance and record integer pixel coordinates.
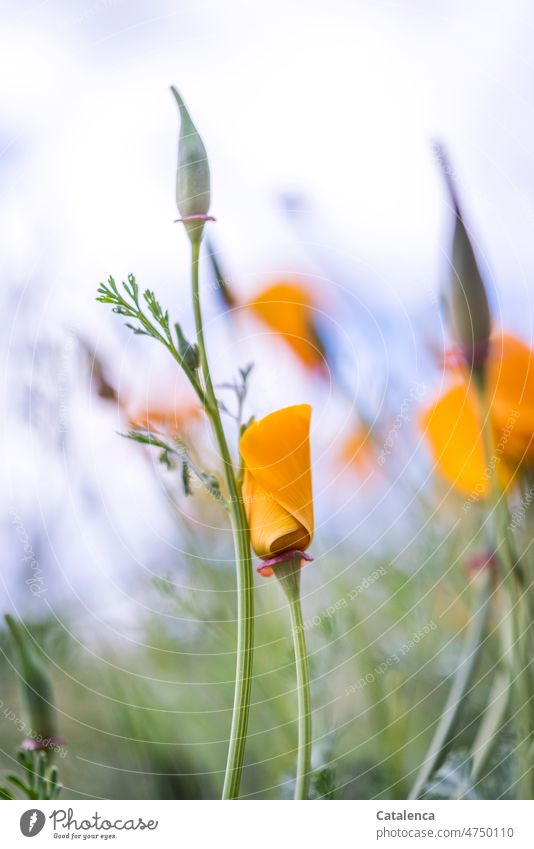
(255, 825)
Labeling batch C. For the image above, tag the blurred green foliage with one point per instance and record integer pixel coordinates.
(146, 712)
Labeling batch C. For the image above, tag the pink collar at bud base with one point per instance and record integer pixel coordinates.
(194, 218)
(41, 744)
(266, 569)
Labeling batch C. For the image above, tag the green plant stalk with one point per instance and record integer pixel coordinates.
(304, 702)
(494, 717)
(288, 575)
(491, 724)
(463, 676)
(521, 685)
(245, 586)
(519, 608)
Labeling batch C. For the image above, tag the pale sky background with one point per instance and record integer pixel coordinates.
(337, 104)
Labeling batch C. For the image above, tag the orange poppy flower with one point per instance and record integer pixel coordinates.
(453, 425)
(288, 309)
(511, 393)
(277, 486)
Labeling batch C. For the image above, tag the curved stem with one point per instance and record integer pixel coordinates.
(245, 586)
(304, 702)
(461, 682)
(288, 574)
(521, 685)
(519, 613)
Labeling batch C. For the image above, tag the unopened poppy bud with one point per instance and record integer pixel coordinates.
(36, 691)
(192, 176)
(277, 486)
(467, 299)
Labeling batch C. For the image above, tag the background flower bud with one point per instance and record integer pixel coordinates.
(466, 297)
(470, 313)
(193, 173)
(35, 685)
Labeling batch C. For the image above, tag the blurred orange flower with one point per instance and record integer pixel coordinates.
(358, 451)
(453, 425)
(277, 486)
(174, 420)
(288, 309)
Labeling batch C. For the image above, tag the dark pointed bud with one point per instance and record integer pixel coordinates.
(227, 296)
(467, 301)
(36, 690)
(192, 176)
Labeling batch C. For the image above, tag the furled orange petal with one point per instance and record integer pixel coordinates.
(277, 486)
(272, 528)
(288, 310)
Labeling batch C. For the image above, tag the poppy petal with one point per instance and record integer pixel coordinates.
(511, 395)
(272, 527)
(276, 451)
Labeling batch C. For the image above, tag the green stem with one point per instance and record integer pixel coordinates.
(521, 685)
(245, 586)
(493, 720)
(288, 574)
(463, 676)
(518, 611)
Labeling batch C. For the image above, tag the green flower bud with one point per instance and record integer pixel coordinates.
(192, 176)
(36, 690)
(466, 298)
(470, 312)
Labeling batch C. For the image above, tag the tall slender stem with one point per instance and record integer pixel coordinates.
(517, 628)
(304, 702)
(245, 587)
(288, 574)
(461, 682)
(518, 611)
